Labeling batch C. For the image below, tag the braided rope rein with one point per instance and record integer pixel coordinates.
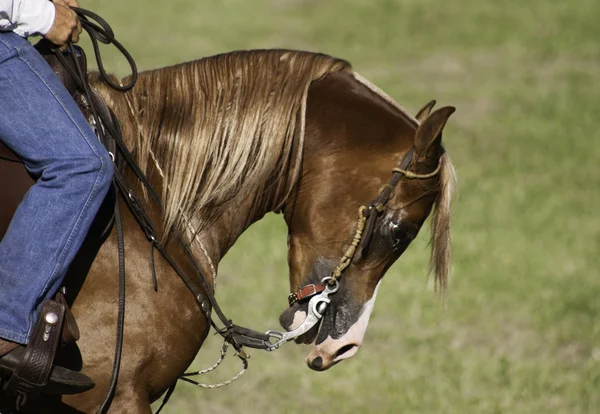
(224, 348)
(349, 254)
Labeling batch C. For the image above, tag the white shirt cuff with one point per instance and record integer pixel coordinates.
(35, 17)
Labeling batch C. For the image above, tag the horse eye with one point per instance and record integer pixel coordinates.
(399, 233)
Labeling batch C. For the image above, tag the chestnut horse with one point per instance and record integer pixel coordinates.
(224, 140)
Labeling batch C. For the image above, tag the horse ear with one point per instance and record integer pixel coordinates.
(430, 130)
(424, 111)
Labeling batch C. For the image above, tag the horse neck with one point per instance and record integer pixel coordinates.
(325, 97)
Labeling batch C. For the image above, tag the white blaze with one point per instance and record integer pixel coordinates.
(354, 336)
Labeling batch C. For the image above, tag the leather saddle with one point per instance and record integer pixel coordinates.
(56, 328)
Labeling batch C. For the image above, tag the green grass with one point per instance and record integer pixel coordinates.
(521, 332)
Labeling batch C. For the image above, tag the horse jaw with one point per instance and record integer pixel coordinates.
(331, 351)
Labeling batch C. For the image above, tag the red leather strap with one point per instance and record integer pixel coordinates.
(306, 292)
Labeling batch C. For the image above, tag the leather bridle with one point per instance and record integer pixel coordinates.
(318, 293)
(367, 217)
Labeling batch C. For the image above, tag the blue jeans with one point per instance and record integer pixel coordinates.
(40, 122)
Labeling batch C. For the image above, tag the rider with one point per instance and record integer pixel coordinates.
(40, 122)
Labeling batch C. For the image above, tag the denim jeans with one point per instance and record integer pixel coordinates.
(40, 122)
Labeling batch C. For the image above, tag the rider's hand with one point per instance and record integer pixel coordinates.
(66, 25)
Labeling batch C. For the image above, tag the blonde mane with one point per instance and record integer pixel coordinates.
(228, 127)
(223, 128)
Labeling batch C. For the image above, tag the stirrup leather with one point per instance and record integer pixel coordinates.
(34, 370)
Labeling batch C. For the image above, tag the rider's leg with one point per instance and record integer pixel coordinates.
(40, 122)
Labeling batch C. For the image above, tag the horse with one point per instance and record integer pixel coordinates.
(224, 140)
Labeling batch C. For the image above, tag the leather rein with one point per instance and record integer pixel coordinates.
(108, 131)
(106, 125)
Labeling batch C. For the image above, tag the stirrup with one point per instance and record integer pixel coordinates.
(32, 366)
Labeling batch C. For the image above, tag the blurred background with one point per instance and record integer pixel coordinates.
(520, 332)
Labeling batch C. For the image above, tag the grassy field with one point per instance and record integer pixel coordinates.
(521, 332)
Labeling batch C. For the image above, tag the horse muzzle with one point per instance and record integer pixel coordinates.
(331, 346)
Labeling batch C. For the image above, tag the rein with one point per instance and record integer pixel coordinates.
(106, 125)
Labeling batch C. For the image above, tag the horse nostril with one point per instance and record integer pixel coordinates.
(344, 349)
(317, 363)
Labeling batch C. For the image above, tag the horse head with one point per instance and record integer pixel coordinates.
(355, 137)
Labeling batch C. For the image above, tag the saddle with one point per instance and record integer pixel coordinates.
(26, 371)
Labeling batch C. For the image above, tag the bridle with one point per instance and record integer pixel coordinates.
(318, 293)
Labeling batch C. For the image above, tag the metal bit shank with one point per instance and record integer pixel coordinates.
(316, 303)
